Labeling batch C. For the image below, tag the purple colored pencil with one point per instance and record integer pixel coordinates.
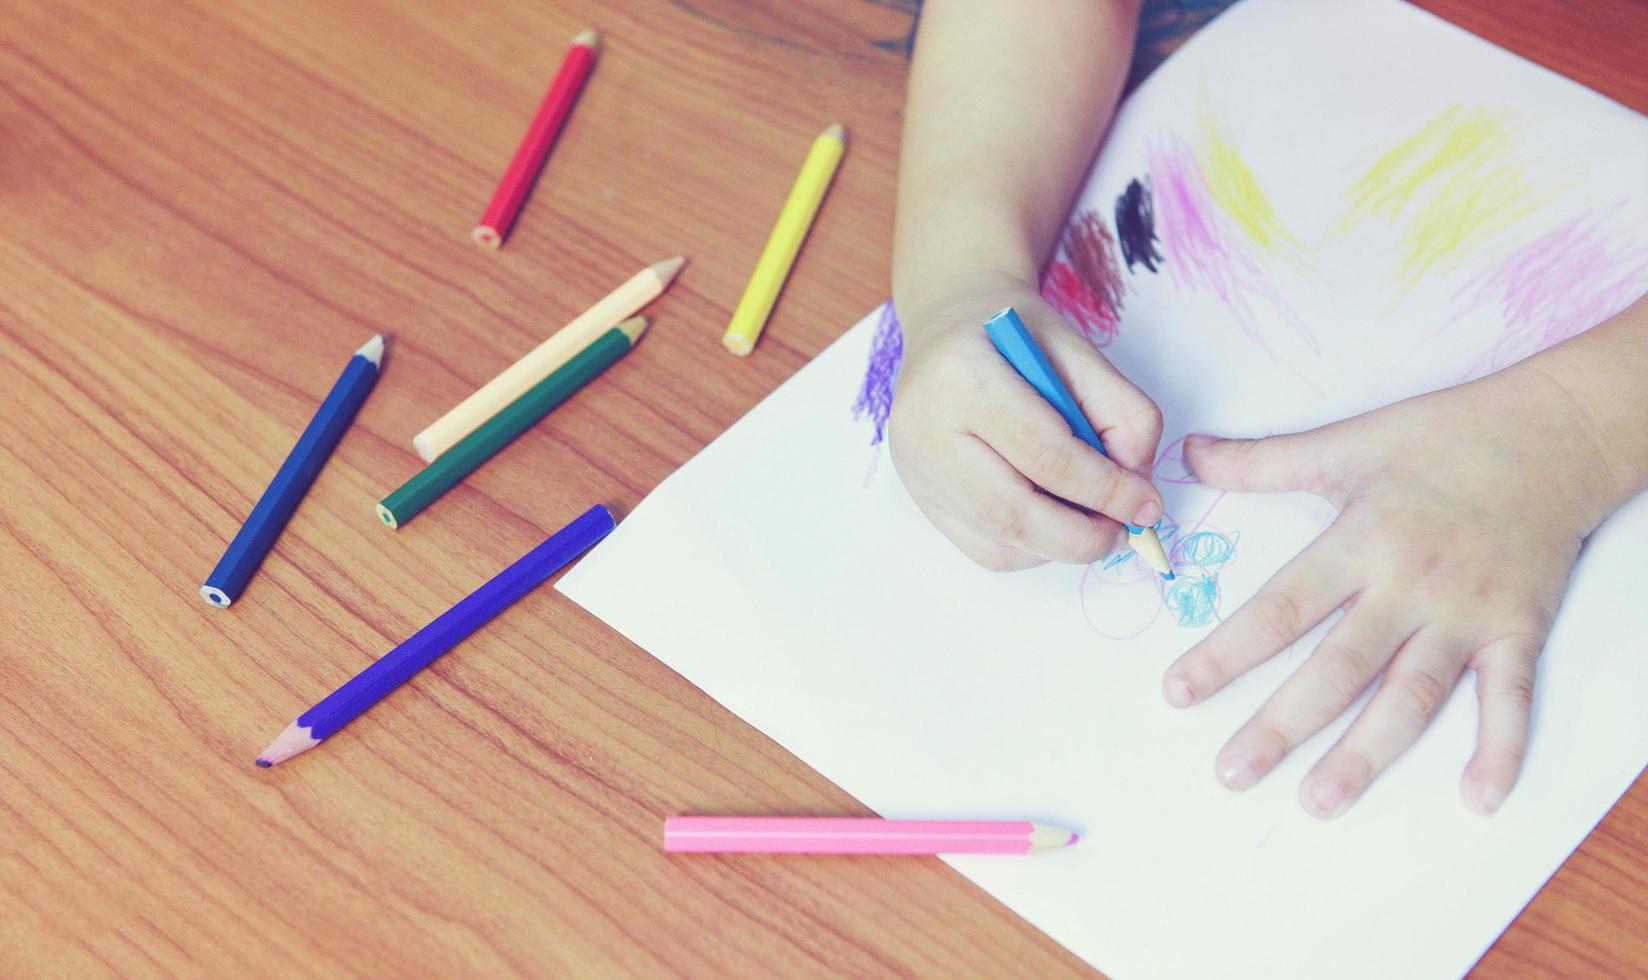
(446, 631)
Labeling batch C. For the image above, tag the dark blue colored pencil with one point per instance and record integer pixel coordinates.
(252, 543)
(446, 631)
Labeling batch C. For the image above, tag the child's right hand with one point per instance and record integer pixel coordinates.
(990, 462)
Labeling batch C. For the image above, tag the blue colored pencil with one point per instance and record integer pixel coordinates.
(1012, 338)
(252, 543)
(445, 632)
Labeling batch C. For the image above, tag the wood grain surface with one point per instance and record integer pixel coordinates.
(204, 208)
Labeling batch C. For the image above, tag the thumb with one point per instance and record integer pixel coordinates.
(1267, 465)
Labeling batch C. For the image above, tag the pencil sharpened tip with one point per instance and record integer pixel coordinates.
(263, 763)
(633, 328)
(668, 269)
(372, 350)
(1074, 837)
(1168, 576)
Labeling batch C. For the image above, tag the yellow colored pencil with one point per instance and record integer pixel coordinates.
(785, 241)
(545, 359)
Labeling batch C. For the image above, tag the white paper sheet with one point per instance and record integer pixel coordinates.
(786, 572)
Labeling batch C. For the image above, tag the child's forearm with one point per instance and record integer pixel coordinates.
(1006, 105)
(1603, 375)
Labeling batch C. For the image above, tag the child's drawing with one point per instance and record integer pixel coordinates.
(1206, 249)
(1447, 188)
(1121, 597)
(1086, 285)
(1232, 185)
(1136, 225)
(1575, 275)
(875, 395)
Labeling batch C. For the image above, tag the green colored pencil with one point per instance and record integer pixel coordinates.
(497, 432)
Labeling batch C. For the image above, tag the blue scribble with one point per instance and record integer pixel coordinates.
(1204, 549)
(1116, 559)
(1192, 599)
(1166, 528)
(875, 396)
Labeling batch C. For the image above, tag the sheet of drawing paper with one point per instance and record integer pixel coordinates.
(1316, 208)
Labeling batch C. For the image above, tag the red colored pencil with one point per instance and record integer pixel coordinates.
(540, 136)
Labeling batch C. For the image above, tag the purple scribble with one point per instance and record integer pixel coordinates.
(875, 396)
(1563, 282)
(1204, 249)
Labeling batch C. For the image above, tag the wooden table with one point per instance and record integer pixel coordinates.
(204, 207)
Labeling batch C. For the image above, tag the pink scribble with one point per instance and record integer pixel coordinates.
(1132, 577)
(1171, 466)
(1080, 303)
(1563, 282)
(1204, 249)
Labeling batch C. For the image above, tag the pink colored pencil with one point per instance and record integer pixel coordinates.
(858, 835)
(540, 136)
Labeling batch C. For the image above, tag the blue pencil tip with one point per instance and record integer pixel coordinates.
(263, 763)
(1168, 576)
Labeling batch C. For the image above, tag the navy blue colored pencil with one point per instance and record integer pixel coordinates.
(446, 631)
(255, 538)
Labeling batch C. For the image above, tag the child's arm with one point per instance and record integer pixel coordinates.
(1006, 105)
(1461, 515)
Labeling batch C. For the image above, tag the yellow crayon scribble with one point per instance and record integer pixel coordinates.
(1448, 186)
(1236, 190)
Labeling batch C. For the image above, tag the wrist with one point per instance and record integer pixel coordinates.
(952, 299)
(1568, 439)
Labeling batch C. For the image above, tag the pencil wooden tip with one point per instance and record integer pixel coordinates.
(387, 517)
(487, 236)
(372, 350)
(288, 743)
(216, 598)
(1048, 838)
(1149, 548)
(738, 345)
(590, 39)
(836, 131)
(667, 270)
(633, 328)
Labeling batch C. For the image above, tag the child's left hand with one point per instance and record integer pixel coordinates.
(1460, 516)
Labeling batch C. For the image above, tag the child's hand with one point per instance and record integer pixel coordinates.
(990, 462)
(1461, 514)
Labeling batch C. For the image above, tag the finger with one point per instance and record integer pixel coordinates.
(1299, 461)
(1416, 685)
(1505, 674)
(1290, 605)
(992, 555)
(1343, 665)
(1003, 507)
(1128, 422)
(1036, 442)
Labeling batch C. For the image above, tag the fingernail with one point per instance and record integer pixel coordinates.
(1327, 798)
(1200, 439)
(1489, 799)
(1148, 514)
(1178, 693)
(1239, 774)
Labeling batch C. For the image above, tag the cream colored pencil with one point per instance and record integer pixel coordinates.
(545, 359)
